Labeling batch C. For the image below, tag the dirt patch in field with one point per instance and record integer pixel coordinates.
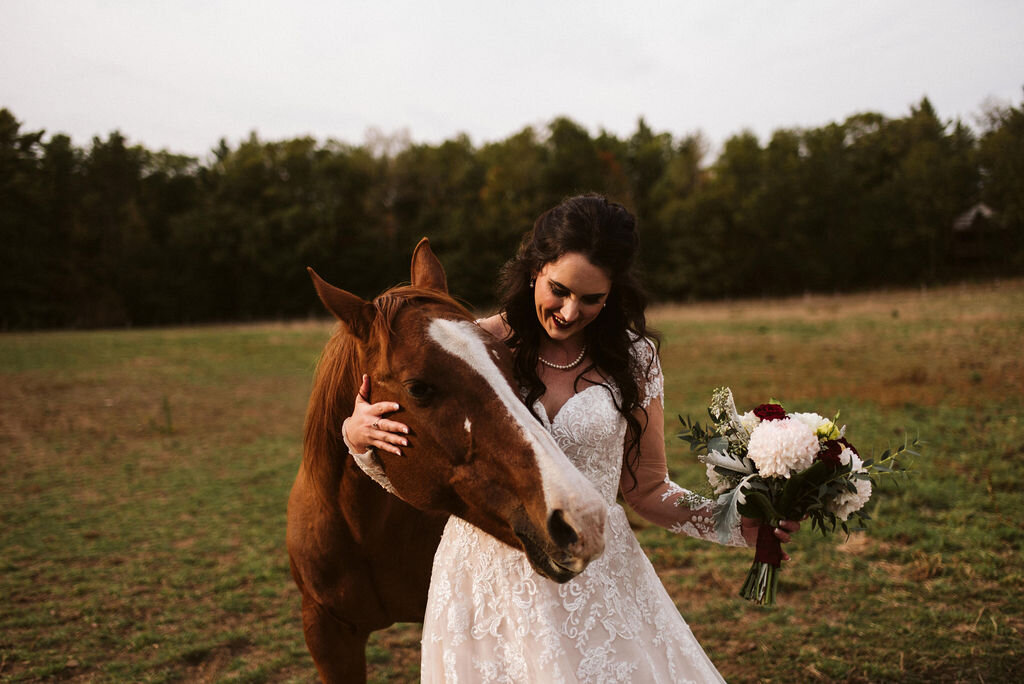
(394, 654)
(209, 664)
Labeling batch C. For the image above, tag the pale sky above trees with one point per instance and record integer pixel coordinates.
(180, 75)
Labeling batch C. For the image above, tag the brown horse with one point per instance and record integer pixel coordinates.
(362, 557)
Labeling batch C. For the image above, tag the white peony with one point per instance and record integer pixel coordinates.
(781, 447)
(749, 421)
(847, 456)
(822, 426)
(848, 503)
(811, 420)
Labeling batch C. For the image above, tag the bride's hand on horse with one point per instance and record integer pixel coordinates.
(367, 427)
(784, 532)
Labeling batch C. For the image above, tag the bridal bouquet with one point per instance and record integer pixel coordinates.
(771, 465)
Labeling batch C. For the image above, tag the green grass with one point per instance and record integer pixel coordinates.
(144, 476)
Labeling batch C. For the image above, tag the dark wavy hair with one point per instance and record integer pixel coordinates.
(605, 233)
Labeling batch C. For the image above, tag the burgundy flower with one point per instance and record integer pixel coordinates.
(770, 412)
(830, 453)
(831, 449)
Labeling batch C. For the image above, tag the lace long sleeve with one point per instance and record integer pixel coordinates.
(367, 462)
(653, 495)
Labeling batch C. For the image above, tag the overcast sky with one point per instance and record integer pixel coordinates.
(180, 75)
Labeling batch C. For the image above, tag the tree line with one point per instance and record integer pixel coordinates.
(114, 234)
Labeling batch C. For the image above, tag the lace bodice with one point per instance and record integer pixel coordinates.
(491, 618)
(584, 428)
(591, 432)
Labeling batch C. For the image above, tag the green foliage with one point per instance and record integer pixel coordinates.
(1001, 154)
(114, 234)
(696, 435)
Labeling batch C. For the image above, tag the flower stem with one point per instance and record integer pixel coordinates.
(761, 584)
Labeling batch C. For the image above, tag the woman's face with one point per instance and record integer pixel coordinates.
(568, 294)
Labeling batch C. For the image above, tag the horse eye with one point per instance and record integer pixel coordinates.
(419, 390)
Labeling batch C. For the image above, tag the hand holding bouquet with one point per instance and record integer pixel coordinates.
(770, 465)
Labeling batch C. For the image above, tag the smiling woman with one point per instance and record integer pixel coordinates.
(573, 316)
(570, 293)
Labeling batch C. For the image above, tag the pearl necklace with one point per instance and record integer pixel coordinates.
(564, 366)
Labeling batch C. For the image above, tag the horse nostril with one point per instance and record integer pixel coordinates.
(562, 533)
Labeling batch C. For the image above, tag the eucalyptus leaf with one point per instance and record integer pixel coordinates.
(720, 444)
(727, 515)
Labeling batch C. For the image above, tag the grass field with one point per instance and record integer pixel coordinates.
(144, 476)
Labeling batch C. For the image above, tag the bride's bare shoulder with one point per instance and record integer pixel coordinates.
(495, 325)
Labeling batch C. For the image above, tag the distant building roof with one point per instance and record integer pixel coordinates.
(966, 220)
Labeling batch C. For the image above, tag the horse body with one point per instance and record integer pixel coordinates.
(357, 574)
(362, 557)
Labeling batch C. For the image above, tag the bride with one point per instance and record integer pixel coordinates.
(573, 315)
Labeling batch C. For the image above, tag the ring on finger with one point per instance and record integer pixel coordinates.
(376, 425)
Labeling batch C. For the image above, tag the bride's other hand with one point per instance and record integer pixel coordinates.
(784, 532)
(367, 427)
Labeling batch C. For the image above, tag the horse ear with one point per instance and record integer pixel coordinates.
(426, 269)
(352, 311)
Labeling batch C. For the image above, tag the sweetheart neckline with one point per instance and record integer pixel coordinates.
(551, 420)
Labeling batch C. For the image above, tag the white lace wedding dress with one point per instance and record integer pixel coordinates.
(491, 618)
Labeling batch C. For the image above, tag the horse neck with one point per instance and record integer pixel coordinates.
(335, 387)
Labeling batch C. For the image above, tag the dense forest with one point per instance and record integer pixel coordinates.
(114, 234)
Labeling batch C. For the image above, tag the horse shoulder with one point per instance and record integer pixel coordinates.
(319, 541)
(368, 559)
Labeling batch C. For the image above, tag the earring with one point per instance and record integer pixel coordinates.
(532, 281)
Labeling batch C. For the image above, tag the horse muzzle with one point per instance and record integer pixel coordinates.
(568, 547)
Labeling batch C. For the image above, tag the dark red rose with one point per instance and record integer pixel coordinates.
(830, 450)
(770, 412)
(830, 453)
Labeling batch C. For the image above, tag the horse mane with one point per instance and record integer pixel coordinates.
(339, 374)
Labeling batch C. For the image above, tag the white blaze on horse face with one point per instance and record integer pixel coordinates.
(468, 425)
(563, 485)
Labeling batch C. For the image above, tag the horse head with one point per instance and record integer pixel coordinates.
(475, 450)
